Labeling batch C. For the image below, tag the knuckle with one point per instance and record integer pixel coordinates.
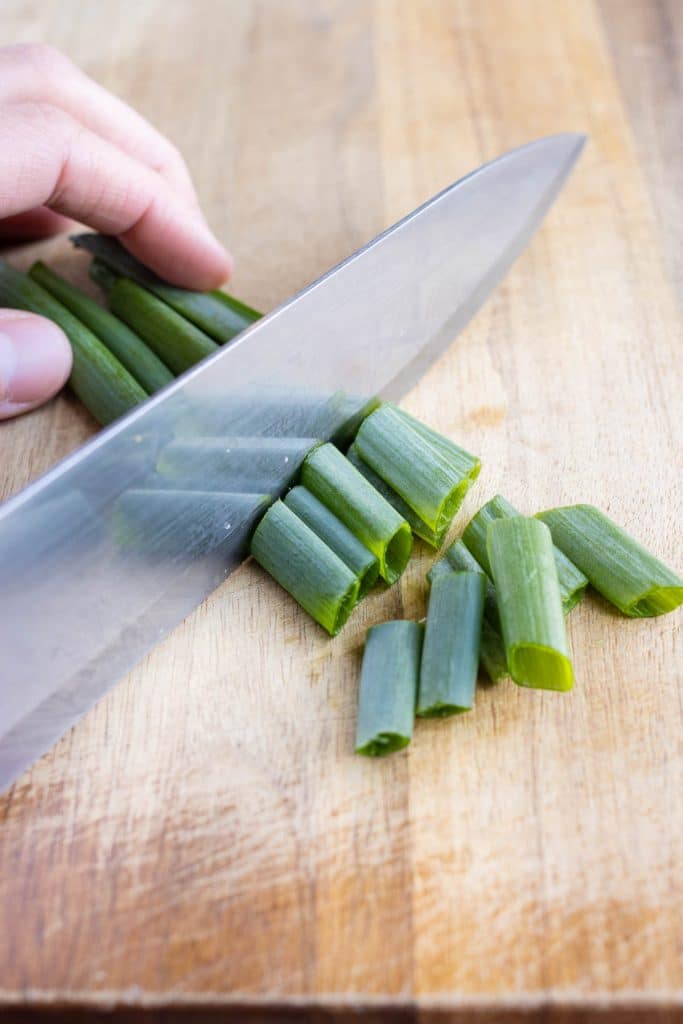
(46, 58)
(46, 118)
(46, 61)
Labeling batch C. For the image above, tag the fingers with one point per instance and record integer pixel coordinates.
(48, 158)
(38, 223)
(35, 361)
(40, 73)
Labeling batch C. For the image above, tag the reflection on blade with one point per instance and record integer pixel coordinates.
(263, 464)
(78, 608)
(182, 525)
(102, 567)
(275, 413)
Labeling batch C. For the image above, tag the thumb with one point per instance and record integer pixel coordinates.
(35, 361)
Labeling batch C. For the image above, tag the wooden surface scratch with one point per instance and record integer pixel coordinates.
(204, 845)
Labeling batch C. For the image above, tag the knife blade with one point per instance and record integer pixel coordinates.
(106, 553)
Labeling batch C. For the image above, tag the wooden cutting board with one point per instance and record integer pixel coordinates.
(204, 845)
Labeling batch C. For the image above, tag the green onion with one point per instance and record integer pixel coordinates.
(336, 535)
(620, 568)
(432, 478)
(458, 558)
(450, 653)
(492, 650)
(183, 524)
(306, 567)
(262, 464)
(179, 343)
(388, 687)
(130, 350)
(273, 413)
(417, 525)
(449, 449)
(492, 653)
(573, 582)
(102, 275)
(440, 568)
(339, 485)
(101, 382)
(217, 314)
(524, 572)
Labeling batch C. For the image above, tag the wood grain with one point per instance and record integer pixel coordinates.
(204, 845)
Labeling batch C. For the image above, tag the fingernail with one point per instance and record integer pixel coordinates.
(35, 360)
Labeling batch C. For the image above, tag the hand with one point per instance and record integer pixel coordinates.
(69, 149)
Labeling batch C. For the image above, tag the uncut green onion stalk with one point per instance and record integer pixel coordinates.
(432, 478)
(175, 340)
(573, 582)
(306, 567)
(150, 372)
(388, 687)
(101, 382)
(492, 649)
(337, 484)
(450, 652)
(618, 566)
(216, 313)
(417, 525)
(101, 274)
(362, 563)
(522, 560)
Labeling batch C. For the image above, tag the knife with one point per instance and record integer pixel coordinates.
(102, 556)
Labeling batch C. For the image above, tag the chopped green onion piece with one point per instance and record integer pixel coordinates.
(333, 480)
(417, 525)
(130, 350)
(448, 448)
(179, 343)
(432, 479)
(529, 601)
(217, 313)
(461, 559)
(450, 653)
(336, 535)
(388, 687)
(492, 649)
(306, 567)
(263, 464)
(492, 653)
(620, 568)
(273, 413)
(573, 582)
(102, 383)
(441, 568)
(183, 524)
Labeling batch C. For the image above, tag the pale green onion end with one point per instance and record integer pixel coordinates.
(540, 667)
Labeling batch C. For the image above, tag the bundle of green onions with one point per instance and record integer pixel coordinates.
(499, 597)
(151, 332)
